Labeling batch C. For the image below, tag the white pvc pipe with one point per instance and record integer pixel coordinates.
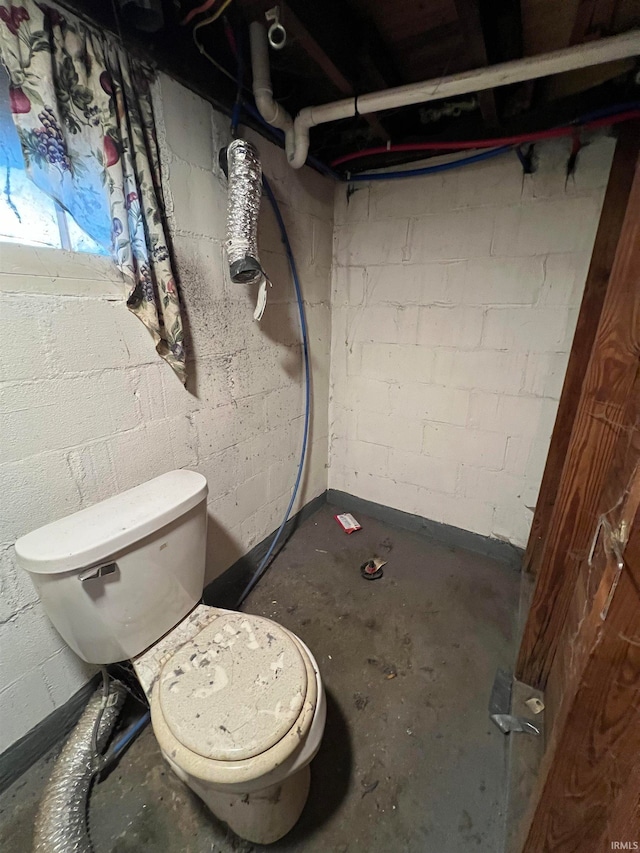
(517, 71)
(270, 110)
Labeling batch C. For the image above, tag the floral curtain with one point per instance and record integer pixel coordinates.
(83, 111)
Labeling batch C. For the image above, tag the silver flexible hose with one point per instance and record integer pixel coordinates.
(61, 822)
(243, 206)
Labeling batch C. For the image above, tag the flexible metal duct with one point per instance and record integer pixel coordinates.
(61, 822)
(243, 207)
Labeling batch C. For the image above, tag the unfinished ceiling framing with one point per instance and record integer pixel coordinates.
(340, 48)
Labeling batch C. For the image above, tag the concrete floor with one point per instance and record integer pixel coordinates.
(409, 762)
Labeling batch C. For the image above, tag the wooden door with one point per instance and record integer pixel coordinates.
(601, 372)
(588, 794)
(581, 643)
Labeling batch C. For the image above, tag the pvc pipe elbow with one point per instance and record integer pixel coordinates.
(301, 125)
(264, 102)
(269, 109)
(300, 149)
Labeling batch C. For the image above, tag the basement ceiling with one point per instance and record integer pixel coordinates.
(336, 48)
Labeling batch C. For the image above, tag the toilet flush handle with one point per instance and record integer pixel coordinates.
(97, 572)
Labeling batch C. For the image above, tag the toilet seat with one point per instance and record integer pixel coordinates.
(269, 756)
(235, 689)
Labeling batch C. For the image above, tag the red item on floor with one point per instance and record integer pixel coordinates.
(347, 522)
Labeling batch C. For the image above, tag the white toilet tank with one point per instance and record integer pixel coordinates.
(117, 576)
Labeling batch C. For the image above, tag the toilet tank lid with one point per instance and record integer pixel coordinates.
(99, 532)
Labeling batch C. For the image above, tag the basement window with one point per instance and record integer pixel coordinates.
(27, 214)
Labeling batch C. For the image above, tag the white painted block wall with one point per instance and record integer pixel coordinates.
(454, 302)
(90, 410)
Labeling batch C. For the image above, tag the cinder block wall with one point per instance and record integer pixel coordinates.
(90, 410)
(454, 302)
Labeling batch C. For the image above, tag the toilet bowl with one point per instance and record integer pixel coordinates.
(244, 744)
(237, 702)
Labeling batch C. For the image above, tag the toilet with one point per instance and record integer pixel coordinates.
(237, 702)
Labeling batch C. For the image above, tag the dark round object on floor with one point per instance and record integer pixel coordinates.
(369, 572)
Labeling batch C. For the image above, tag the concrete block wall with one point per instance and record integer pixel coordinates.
(454, 302)
(90, 410)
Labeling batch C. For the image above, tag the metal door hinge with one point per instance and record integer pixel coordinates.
(500, 707)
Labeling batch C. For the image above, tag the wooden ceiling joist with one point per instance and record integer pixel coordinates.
(593, 20)
(471, 25)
